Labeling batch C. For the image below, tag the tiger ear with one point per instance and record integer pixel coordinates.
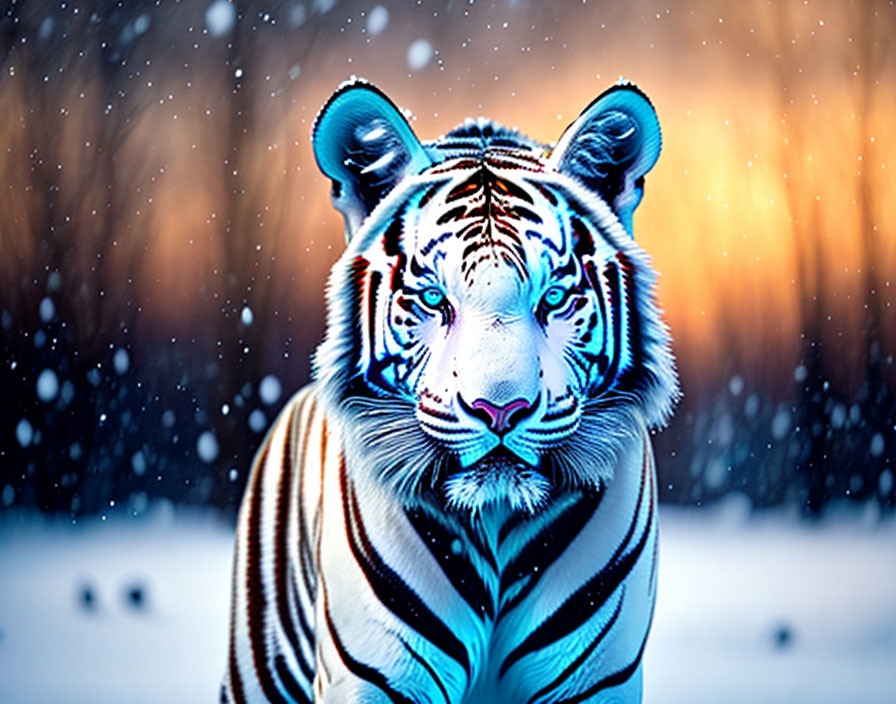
(363, 143)
(609, 148)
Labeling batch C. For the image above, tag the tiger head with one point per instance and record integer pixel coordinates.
(492, 333)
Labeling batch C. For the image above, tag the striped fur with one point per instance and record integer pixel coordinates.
(461, 508)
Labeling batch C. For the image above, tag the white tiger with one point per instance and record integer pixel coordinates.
(461, 508)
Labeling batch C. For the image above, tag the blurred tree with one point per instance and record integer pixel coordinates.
(870, 48)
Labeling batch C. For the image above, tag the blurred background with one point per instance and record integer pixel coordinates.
(165, 234)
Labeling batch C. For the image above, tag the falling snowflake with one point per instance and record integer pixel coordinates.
(207, 447)
(121, 361)
(419, 54)
(220, 18)
(269, 390)
(47, 385)
(377, 20)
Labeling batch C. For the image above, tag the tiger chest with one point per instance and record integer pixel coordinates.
(498, 608)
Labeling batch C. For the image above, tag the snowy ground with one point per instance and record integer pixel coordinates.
(763, 611)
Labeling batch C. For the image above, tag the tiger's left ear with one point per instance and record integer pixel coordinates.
(609, 148)
(364, 144)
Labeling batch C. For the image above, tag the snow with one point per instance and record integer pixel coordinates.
(47, 385)
(52, 648)
(47, 309)
(257, 421)
(269, 390)
(419, 54)
(141, 24)
(24, 432)
(246, 315)
(94, 377)
(46, 28)
(220, 18)
(207, 446)
(886, 482)
(780, 424)
(121, 361)
(766, 610)
(67, 393)
(138, 463)
(773, 611)
(324, 6)
(736, 385)
(377, 20)
(297, 15)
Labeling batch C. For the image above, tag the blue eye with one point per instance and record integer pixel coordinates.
(554, 296)
(432, 297)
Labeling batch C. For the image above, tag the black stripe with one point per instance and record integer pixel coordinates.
(324, 673)
(444, 431)
(388, 586)
(428, 195)
(527, 214)
(583, 239)
(508, 525)
(616, 303)
(583, 656)
(544, 190)
(289, 682)
(433, 243)
(456, 213)
(592, 595)
(307, 670)
(555, 430)
(305, 557)
(374, 370)
(282, 573)
(256, 601)
(236, 681)
(552, 416)
(594, 280)
(514, 190)
(617, 678)
(392, 236)
(456, 567)
(428, 668)
(466, 188)
(475, 538)
(357, 668)
(635, 374)
(547, 546)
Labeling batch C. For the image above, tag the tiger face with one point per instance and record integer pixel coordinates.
(492, 333)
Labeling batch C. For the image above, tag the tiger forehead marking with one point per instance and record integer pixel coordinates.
(489, 214)
(499, 213)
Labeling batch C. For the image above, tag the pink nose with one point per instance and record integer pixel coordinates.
(501, 418)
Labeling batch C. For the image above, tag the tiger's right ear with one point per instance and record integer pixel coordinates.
(364, 144)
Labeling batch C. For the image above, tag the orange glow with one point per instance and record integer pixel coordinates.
(727, 211)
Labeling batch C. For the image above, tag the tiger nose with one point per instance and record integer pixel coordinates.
(500, 419)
